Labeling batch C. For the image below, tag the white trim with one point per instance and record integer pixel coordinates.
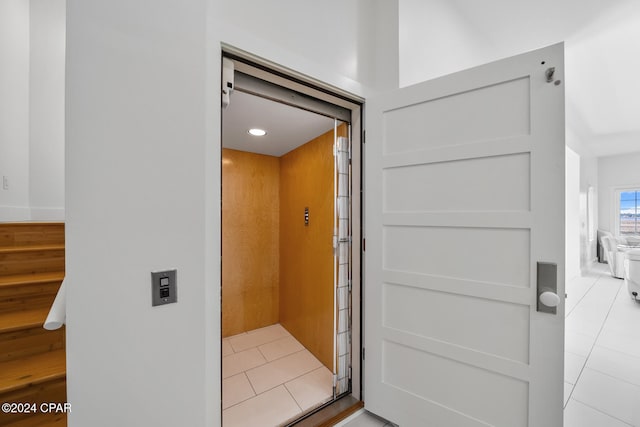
(47, 214)
(14, 213)
(346, 99)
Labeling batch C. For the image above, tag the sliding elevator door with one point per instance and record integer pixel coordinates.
(342, 247)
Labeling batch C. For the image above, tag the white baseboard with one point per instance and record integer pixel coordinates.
(14, 213)
(47, 214)
(589, 266)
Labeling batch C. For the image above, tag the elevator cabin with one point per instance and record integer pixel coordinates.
(286, 252)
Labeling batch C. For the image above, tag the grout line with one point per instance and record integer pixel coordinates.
(248, 398)
(307, 373)
(583, 295)
(596, 340)
(615, 350)
(579, 355)
(251, 384)
(615, 378)
(269, 362)
(564, 406)
(604, 413)
(285, 355)
(266, 342)
(295, 378)
(233, 351)
(293, 397)
(288, 354)
(263, 356)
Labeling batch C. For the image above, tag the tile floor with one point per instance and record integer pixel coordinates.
(269, 378)
(364, 418)
(602, 365)
(602, 353)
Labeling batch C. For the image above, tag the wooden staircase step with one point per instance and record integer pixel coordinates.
(27, 279)
(41, 420)
(30, 248)
(29, 371)
(26, 319)
(28, 342)
(28, 233)
(32, 359)
(47, 392)
(30, 285)
(31, 260)
(26, 302)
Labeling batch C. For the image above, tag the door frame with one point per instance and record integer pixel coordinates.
(289, 79)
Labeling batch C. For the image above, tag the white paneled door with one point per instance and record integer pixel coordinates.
(464, 195)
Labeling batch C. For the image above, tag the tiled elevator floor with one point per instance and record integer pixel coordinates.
(269, 378)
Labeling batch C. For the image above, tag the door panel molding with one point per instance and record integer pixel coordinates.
(464, 194)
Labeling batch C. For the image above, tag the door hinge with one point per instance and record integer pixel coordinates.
(364, 136)
(364, 245)
(362, 353)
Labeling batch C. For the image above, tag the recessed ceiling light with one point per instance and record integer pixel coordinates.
(257, 132)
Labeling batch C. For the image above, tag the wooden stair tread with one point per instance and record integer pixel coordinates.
(31, 279)
(17, 320)
(21, 373)
(14, 234)
(30, 248)
(41, 420)
(28, 224)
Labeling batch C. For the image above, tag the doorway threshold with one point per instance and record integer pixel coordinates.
(331, 414)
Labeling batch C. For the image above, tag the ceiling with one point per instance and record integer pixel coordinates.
(287, 127)
(602, 72)
(602, 60)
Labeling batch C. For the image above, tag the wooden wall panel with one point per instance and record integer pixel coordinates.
(306, 252)
(250, 238)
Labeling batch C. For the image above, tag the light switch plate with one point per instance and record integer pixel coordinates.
(164, 288)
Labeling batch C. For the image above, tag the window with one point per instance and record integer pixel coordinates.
(629, 212)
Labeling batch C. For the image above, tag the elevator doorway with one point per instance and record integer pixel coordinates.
(287, 256)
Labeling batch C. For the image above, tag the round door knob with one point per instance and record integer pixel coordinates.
(549, 299)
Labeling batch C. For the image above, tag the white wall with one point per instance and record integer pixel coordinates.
(140, 131)
(46, 109)
(32, 109)
(615, 172)
(14, 109)
(143, 184)
(572, 214)
(335, 41)
(435, 40)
